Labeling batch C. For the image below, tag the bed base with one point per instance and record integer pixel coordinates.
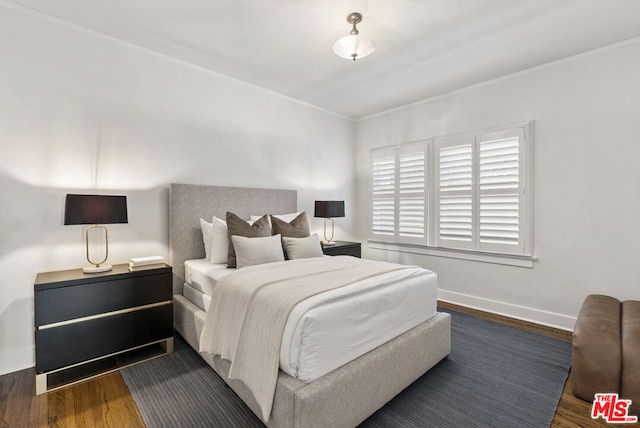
(349, 394)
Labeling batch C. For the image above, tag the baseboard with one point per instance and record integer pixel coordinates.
(17, 359)
(537, 316)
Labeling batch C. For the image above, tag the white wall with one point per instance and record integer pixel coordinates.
(587, 182)
(80, 112)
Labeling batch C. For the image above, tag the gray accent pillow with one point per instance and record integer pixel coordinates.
(303, 248)
(239, 227)
(256, 251)
(296, 228)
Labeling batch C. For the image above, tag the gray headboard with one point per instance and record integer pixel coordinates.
(190, 202)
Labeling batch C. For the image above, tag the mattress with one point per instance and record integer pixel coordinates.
(196, 297)
(328, 330)
(203, 275)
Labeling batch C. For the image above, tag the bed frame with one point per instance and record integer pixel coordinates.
(342, 398)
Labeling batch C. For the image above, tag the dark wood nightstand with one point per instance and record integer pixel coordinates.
(343, 248)
(91, 324)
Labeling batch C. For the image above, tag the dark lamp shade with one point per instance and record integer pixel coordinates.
(95, 209)
(329, 209)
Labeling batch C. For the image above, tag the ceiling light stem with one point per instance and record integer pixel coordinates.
(354, 18)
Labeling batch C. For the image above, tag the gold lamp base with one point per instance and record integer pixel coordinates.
(97, 267)
(328, 241)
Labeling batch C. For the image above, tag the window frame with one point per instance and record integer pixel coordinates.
(432, 194)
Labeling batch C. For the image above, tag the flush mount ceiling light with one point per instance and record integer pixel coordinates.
(354, 46)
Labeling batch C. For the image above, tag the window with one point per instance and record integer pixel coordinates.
(383, 176)
(478, 184)
(399, 194)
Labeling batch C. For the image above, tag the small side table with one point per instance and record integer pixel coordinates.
(91, 324)
(343, 248)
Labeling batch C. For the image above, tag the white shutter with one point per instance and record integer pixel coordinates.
(383, 189)
(383, 217)
(500, 191)
(499, 219)
(499, 168)
(456, 218)
(456, 168)
(455, 205)
(412, 193)
(399, 193)
(384, 176)
(499, 164)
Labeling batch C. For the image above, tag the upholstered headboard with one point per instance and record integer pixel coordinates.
(190, 202)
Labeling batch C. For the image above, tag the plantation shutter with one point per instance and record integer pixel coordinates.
(454, 194)
(399, 194)
(383, 189)
(412, 193)
(501, 191)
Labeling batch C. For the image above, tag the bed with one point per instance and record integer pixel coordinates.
(344, 396)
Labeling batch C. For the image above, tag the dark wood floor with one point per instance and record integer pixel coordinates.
(107, 402)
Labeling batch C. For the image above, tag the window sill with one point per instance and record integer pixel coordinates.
(502, 259)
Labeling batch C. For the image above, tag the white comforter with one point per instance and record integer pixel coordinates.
(327, 331)
(360, 282)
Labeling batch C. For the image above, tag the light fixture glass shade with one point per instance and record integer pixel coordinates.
(354, 47)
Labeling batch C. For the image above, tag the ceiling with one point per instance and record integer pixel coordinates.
(424, 47)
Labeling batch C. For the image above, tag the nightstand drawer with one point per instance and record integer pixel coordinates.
(72, 343)
(78, 301)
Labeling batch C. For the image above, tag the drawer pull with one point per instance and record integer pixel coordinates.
(103, 315)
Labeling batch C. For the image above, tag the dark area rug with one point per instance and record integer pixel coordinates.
(495, 376)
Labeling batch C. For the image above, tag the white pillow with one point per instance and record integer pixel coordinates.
(219, 241)
(256, 251)
(207, 231)
(255, 218)
(283, 217)
(287, 217)
(303, 248)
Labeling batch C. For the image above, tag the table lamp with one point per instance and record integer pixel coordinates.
(95, 210)
(329, 210)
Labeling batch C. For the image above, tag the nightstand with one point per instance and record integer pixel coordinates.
(342, 248)
(91, 324)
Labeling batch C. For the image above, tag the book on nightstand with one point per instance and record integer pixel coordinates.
(149, 262)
